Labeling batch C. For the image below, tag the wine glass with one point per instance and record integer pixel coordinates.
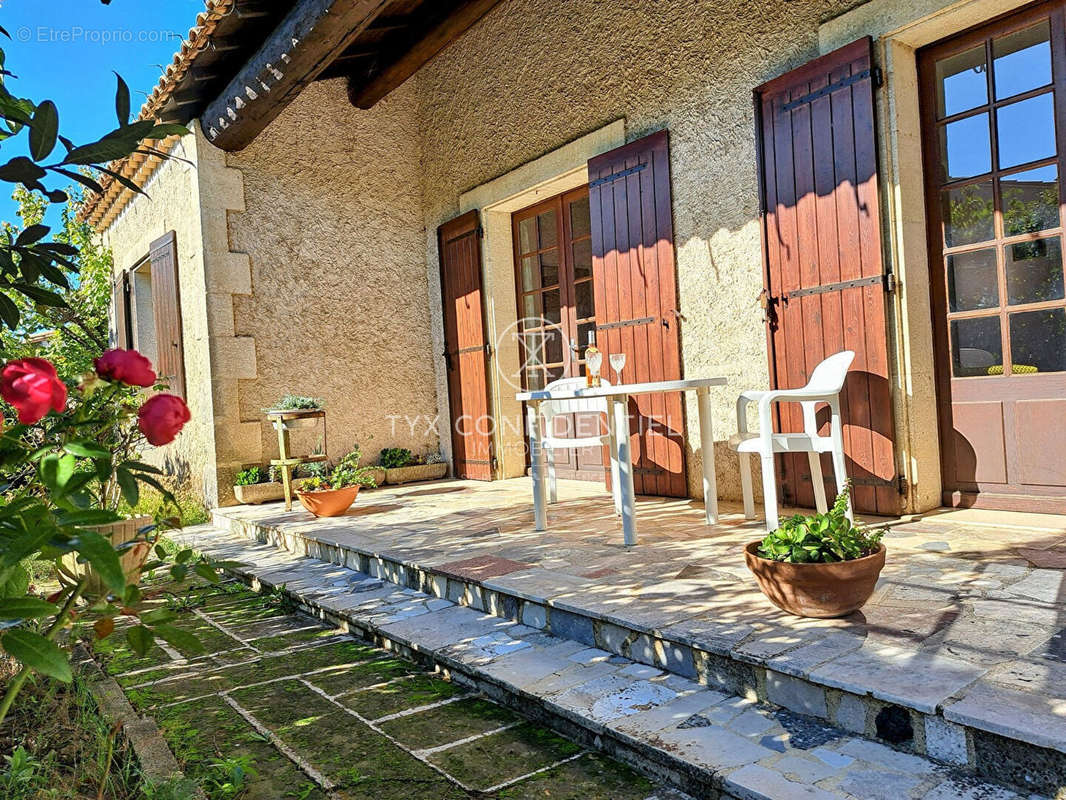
(618, 363)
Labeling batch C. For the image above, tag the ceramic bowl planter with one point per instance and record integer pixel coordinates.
(416, 472)
(820, 590)
(329, 502)
(253, 493)
(132, 560)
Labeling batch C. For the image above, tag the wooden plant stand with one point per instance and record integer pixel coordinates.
(283, 422)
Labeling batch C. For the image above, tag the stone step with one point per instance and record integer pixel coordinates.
(922, 703)
(707, 742)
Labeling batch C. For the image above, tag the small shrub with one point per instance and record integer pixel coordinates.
(820, 538)
(346, 472)
(394, 457)
(434, 458)
(249, 477)
(295, 402)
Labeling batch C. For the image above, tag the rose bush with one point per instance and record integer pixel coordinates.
(32, 386)
(126, 366)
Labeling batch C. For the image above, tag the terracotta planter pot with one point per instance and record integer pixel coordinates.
(132, 560)
(263, 492)
(329, 502)
(415, 472)
(816, 590)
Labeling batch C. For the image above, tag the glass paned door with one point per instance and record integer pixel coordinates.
(556, 309)
(992, 109)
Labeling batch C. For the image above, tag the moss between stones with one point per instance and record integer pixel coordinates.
(346, 678)
(591, 776)
(207, 731)
(504, 756)
(409, 692)
(449, 723)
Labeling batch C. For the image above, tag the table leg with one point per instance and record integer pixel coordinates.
(283, 454)
(624, 459)
(612, 455)
(710, 481)
(540, 519)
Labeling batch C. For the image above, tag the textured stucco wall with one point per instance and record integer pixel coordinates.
(332, 224)
(173, 204)
(535, 74)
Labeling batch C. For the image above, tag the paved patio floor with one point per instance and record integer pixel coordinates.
(975, 599)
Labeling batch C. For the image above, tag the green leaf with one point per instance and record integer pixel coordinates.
(57, 470)
(34, 233)
(16, 583)
(167, 129)
(131, 492)
(37, 653)
(102, 555)
(9, 312)
(158, 616)
(84, 180)
(178, 572)
(87, 450)
(132, 595)
(26, 608)
(41, 296)
(122, 101)
(183, 556)
(90, 516)
(140, 639)
(182, 640)
(207, 572)
(44, 128)
(21, 170)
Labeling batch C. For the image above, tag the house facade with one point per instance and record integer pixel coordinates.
(416, 219)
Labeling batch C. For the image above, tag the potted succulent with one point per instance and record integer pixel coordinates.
(330, 495)
(257, 484)
(818, 566)
(403, 466)
(297, 410)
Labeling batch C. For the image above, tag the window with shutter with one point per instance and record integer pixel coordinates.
(635, 288)
(166, 310)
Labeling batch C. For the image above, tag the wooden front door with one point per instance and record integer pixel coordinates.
(466, 348)
(556, 311)
(635, 286)
(994, 128)
(825, 282)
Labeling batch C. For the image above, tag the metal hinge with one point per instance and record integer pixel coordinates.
(494, 463)
(480, 231)
(904, 486)
(886, 279)
(878, 76)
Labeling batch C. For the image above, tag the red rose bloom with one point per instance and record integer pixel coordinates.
(125, 366)
(162, 417)
(32, 387)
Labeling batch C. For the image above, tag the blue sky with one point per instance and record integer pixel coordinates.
(68, 50)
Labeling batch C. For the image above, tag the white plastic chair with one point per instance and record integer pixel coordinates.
(824, 387)
(550, 409)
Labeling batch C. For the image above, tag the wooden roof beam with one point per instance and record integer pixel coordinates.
(306, 41)
(465, 15)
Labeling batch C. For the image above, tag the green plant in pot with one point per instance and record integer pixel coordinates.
(823, 565)
(331, 494)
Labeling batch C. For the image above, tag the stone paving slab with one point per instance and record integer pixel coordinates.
(713, 743)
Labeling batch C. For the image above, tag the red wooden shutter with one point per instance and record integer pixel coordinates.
(120, 302)
(466, 349)
(825, 274)
(635, 287)
(166, 308)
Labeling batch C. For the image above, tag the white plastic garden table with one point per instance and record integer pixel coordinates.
(618, 420)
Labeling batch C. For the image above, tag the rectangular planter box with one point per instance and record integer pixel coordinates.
(416, 472)
(132, 559)
(264, 492)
